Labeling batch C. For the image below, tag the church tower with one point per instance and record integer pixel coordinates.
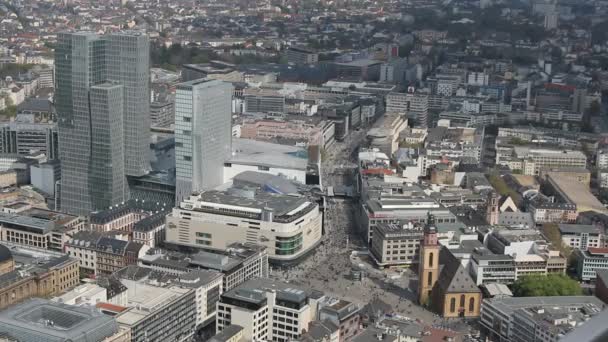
(492, 209)
(428, 266)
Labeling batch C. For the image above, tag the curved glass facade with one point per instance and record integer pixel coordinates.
(288, 245)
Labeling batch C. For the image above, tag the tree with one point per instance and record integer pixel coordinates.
(550, 285)
(10, 110)
(552, 234)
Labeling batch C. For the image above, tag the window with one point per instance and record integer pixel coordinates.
(462, 299)
(471, 304)
(263, 168)
(430, 279)
(453, 305)
(431, 259)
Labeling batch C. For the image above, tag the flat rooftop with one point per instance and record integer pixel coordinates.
(29, 321)
(145, 300)
(577, 193)
(254, 290)
(281, 205)
(260, 153)
(579, 228)
(508, 305)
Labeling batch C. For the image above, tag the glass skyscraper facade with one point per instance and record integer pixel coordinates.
(102, 101)
(203, 135)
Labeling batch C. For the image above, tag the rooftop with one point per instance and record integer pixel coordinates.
(223, 261)
(42, 320)
(227, 333)
(254, 291)
(577, 193)
(145, 300)
(260, 153)
(508, 305)
(578, 228)
(249, 203)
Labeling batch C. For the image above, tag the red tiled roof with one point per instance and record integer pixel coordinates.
(110, 307)
(595, 250)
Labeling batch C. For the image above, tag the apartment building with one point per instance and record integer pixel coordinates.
(83, 246)
(343, 314)
(288, 226)
(544, 211)
(113, 254)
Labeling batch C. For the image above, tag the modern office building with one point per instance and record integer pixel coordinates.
(401, 208)
(23, 138)
(394, 244)
(203, 135)
(44, 176)
(298, 55)
(288, 226)
(41, 320)
(107, 171)
(159, 314)
(590, 261)
(414, 105)
(264, 103)
(275, 311)
(102, 93)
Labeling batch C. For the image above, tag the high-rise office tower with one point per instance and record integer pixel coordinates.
(102, 101)
(128, 63)
(203, 135)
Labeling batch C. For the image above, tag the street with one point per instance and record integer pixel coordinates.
(330, 267)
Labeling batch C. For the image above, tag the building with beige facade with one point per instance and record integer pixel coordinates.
(289, 226)
(298, 129)
(39, 228)
(28, 278)
(395, 244)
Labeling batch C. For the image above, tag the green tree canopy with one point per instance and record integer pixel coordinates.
(550, 285)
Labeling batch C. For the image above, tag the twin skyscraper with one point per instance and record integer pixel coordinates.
(102, 98)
